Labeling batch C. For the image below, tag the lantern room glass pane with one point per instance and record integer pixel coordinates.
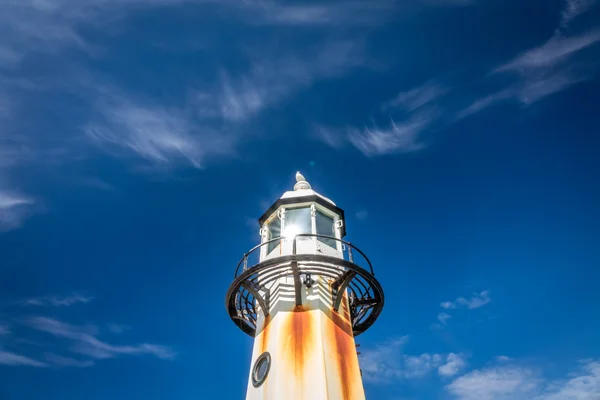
(297, 221)
(274, 232)
(325, 227)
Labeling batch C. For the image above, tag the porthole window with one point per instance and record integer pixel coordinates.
(261, 369)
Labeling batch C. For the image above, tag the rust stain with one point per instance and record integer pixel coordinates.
(342, 319)
(340, 333)
(265, 334)
(299, 331)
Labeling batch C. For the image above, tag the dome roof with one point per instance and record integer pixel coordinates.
(302, 188)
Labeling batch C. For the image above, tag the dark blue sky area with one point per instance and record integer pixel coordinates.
(141, 140)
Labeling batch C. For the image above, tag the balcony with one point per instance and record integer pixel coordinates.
(348, 270)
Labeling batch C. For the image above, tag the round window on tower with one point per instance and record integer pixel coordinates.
(261, 369)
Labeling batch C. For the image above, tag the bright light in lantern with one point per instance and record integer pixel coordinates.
(291, 231)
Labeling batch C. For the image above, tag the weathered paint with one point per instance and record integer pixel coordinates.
(340, 336)
(312, 350)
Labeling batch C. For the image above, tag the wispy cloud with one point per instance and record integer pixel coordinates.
(57, 301)
(153, 132)
(443, 317)
(339, 14)
(61, 337)
(484, 102)
(475, 301)
(8, 358)
(418, 97)
(513, 382)
(573, 9)
(555, 50)
(399, 136)
(84, 340)
(128, 124)
(273, 80)
(61, 361)
(544, 70)
(96, 183)
(14, 209)
(333, 137)
(414, 113)
(388, 362)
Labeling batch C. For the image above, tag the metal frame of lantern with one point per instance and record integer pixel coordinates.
(250, 286)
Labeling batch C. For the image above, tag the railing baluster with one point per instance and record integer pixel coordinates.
(350, 256)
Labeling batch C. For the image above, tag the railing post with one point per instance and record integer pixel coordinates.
(294, 245)
(350, 256)
(245, 261)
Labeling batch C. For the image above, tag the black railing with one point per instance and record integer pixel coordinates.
(347, 248)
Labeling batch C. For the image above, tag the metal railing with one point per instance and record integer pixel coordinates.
(347, 250)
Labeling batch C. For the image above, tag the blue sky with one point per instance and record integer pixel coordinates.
(140, 140)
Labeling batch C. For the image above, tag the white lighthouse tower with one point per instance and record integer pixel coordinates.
(304, 293)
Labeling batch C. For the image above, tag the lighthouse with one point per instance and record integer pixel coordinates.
(304, 294)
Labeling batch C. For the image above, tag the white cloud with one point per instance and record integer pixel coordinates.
(8, 358)
(503, 359)
(14, 209)
(555, 50)
(387, 363)
(403, 134)
(127, 124)
(443, 317)
(417, 97)
(155, 133)
(398, 137)
(343, 14)
(583, 385)
(537, 88)
(8, 200)
(573, 9)
(57, 301)
(4, 329)
(270, 81)
(447, 305)
(547, 69)
(510, 382)
(61, 361)
(475, 301)
(332, 137)
(84, 340)
(486, 101)
(454, 363)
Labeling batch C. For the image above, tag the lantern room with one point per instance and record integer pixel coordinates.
(314, 221)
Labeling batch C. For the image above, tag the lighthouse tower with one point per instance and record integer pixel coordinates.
(304, 294)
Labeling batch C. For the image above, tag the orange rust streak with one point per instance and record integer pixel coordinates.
(265, 334)
(264, 341)
(347, 360)
(301, 341)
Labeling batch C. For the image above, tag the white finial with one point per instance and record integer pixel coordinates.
(301, 183)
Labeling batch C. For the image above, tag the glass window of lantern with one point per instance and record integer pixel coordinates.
(325, 226)
(297, 221)
(274, 232)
